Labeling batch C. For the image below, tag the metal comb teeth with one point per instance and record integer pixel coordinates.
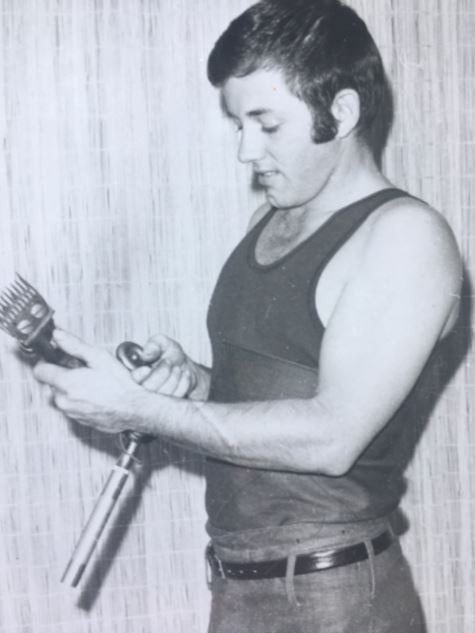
(22, 309)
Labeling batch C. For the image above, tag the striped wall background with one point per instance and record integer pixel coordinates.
(120, 198)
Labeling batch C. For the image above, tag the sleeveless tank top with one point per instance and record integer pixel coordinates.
(265, 335)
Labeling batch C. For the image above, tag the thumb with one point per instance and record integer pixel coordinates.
(154, 348)
(76, 347)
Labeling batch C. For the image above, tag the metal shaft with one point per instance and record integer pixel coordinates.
(129, 355)
(100, 515)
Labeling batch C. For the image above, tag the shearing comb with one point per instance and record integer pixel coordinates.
(27, 317)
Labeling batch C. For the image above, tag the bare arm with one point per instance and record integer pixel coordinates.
(379, 337)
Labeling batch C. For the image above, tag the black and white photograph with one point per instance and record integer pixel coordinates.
(237, 260)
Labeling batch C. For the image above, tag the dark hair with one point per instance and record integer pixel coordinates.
(321, 46)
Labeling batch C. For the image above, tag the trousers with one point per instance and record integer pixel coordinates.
(373, 596)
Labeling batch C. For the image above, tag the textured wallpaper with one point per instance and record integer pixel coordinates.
(120, 197)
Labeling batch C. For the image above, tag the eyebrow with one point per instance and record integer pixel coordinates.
(253, 114)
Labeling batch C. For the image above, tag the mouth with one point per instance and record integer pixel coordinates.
(266, 176)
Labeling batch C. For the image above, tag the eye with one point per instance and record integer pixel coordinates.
(270, 129)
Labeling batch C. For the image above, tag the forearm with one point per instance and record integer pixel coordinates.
(292, 435)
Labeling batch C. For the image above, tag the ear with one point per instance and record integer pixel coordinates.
(346, 110)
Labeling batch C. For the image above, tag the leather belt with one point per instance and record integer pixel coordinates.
(304, 564)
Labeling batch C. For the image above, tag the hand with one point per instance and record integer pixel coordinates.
(171, 372)
(101, 395)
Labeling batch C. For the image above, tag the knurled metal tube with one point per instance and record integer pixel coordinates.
(99, 516)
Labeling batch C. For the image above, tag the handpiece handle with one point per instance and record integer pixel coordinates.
(99, 517)
(129, 355)
(53, 354)
(40, 345)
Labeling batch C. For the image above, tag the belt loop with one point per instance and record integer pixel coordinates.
(208, 569)
(289, 579)
(210, 557)
(371, 561)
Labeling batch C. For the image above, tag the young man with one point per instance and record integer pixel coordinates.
(321, 323)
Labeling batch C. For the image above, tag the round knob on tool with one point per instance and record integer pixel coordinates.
(129, 354)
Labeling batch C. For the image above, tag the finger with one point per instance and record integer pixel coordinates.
(60, 401)
(158, 376)
(169, 386)
(76, 347)
(49, 374)
(165, 348)
(141, 373)
(184, 386)
(154, 348)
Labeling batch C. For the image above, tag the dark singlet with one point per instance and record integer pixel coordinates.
(266, 336)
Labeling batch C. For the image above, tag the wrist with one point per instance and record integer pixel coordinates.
(156, 415)
(143, 412)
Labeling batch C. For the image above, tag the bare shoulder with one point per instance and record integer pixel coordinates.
(418, 236)
(258, 214)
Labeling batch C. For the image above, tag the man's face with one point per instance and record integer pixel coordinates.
(275, 130)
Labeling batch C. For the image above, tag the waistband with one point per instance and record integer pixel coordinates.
(303, 564)
(301, 538)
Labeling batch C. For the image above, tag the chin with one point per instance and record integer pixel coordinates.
(281, 202)
(278, 201)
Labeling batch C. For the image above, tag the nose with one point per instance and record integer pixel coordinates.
(251, 147)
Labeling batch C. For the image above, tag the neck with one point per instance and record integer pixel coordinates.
(354, 176)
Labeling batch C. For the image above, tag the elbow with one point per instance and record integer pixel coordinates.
(336, 461)
(338, 469)
(334, 469)
(339, 445)
(330, 448)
